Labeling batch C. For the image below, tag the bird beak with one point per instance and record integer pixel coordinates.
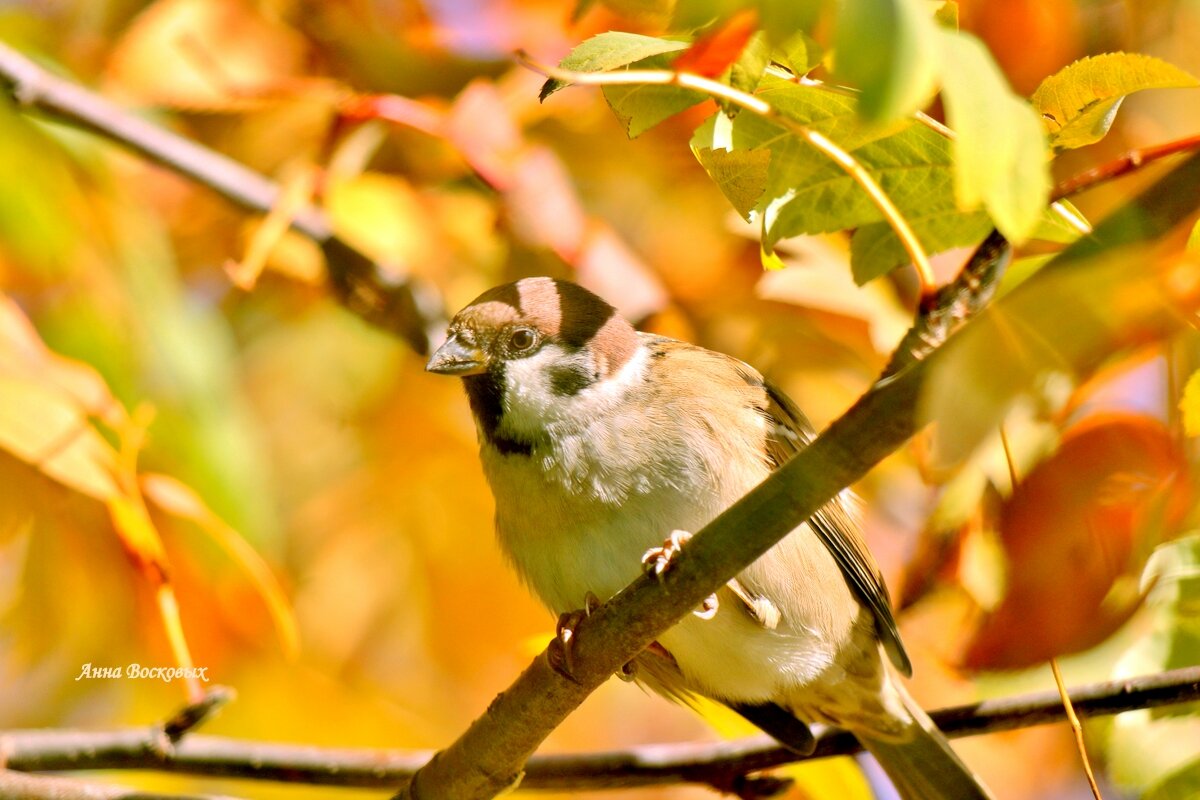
(456, 358)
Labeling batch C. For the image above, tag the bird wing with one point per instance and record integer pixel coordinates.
(789, 432)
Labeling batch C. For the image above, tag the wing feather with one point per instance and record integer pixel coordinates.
(788, 432)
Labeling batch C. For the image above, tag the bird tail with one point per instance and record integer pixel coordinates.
(920, 762)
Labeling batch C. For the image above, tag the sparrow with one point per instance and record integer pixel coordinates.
(602, 445)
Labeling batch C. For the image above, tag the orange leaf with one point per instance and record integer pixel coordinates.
(176, 498)
(210, 55)
(717, 50)
(1075, 534)
(295, 195)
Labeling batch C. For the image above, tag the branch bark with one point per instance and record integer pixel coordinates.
(19, 786)
(702, 763)
(410, 308)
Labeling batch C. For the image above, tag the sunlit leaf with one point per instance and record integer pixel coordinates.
(47, 429)
(1000, 149)
(607, 51)
(718, 49)
(212, 55)
(1190, 405)
(805, 193)
(947, 15)
(888, 49)
(641, 107)
(296, 193)
(1079, 103)
(181, 501)
(1152, 752)
(382, 216)
(138, 535)
(747, 71)
(875, 249)
(782, 19)
(800, 53)
(1081, 306)
(1115, 488)
(740, 174)
(1193, 242)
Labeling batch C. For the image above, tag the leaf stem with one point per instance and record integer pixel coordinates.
(756, 105)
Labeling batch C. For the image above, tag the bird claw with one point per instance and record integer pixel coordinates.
(562, 647)
(656, 560)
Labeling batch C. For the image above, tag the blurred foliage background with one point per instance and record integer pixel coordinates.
(286, 421)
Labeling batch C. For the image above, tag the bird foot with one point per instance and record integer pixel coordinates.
(656, 560)
(562, 647)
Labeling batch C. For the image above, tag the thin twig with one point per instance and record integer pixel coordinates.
(756, 105)
(21, 786)
(406, 306)
(1076, 728)
(1125, 164)
(705, 763)
(195, 714)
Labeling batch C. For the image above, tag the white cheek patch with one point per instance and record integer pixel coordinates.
(556, 388)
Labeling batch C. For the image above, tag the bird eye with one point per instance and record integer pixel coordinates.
(522, 340)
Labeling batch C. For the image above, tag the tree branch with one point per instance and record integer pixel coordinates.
(408, 307)
(19, 786)
(702, 763)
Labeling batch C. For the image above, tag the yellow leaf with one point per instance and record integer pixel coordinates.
(210, 55)
(382, 216)
(294, 196)
(179, 499)
(1190, 405)
(139, 536)
(22, 353)
(47, 429)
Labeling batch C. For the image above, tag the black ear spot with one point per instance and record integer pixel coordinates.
(571, 379)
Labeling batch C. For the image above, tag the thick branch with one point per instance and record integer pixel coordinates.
(409, 308)
(703, 763)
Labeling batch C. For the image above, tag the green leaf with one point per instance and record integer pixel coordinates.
(748, 70)
(800, 53)
(1078, 308)
(642, 107)
(1079, 102)
(1153, 751)
(1061, 223)
(608, 51)
(1000, 148)
(691, 15)
(875, 249)
(782, 19)
(947, 15)
(1193, 242)
(812, 195)
(740, 174)
(887, 49)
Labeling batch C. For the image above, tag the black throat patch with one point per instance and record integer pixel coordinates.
(485, 393)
